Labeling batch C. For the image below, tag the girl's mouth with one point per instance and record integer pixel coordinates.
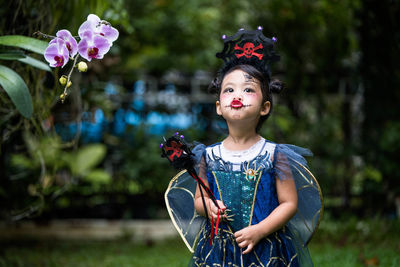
(236, 104)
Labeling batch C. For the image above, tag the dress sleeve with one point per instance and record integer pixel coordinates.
(198, 152)
(289, 163)
(179, 199)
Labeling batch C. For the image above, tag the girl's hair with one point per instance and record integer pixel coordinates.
(275, 86)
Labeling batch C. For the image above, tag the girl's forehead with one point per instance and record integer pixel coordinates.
(238, 76)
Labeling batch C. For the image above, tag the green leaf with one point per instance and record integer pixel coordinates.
(87, 158)
(28, 43)
(35, 63)
(98, 176)
(11, 54)
(373, 174)
(18, 160)
(17, 90)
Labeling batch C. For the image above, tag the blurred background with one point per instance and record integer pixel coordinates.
(97, 155)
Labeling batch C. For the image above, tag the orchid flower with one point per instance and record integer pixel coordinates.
(57, 53)
(99, 27)
(93, 46)
(97, 37)
(69, 40)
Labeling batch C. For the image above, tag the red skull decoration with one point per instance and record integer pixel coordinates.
(176, 149)
(248, 50)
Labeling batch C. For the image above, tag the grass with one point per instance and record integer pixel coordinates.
(355, 255)
(171, 253)
(353, 243)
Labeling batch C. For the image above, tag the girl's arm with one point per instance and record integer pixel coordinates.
(287, 197)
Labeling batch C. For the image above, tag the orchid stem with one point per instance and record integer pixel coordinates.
(69, 78)
(44, 35)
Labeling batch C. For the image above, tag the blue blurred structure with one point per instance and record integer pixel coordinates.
(92, 127)
(94, 124)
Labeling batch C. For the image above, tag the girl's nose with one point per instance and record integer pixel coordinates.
(238, 98)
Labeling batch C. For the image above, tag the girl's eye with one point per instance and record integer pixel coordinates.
(249, 90)
(228, 90)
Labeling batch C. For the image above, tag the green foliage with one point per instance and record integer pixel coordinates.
(11, 54)
(35, 63)
(17, 90)
(86, 158)
(354, 230)
(24, 42)
(99, 177)
(141, 165)
(320, 43)
(11, 82)
(58, 170)
(171, 253)
(182, 35)
(314, 37)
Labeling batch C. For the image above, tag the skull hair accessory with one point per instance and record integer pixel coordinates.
(250, 48)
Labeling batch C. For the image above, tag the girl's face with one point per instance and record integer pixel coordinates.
(241, 98)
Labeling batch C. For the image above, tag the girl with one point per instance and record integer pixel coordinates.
(268, 201)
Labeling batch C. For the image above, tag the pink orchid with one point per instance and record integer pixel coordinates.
(92, 45)
(57, 53)
(69, 40)
(96, 36)
(99, 27)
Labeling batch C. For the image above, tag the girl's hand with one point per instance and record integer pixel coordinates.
(248, 237)
(213, 210)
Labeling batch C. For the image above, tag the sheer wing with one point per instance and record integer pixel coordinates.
(290, 164)
(310, 203)
(179, 198)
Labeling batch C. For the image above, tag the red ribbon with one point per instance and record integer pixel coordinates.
(214, 230)
(217, 224)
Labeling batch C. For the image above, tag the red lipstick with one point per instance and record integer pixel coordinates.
(236, 104)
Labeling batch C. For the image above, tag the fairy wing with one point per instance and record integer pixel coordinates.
(310, 203)
(179, 198)
(291, 164)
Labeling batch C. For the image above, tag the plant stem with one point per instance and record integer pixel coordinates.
(44, 35)
(69, 78)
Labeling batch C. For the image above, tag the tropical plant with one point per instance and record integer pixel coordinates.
(11, 81)
(58, 170)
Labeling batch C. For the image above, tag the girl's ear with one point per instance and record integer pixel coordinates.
(266, 107)
(218, 108)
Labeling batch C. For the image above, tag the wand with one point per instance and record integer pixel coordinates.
(180, 156)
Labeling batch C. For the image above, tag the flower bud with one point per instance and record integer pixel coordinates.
(63, 80)
(69, 84)
(62, 97)
(82, 66)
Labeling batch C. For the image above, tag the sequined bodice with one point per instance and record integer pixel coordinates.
(237, 193)
(236, 184)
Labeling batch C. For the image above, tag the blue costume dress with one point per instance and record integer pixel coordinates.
(248, 189)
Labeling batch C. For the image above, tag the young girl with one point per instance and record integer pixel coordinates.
(269, 203)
